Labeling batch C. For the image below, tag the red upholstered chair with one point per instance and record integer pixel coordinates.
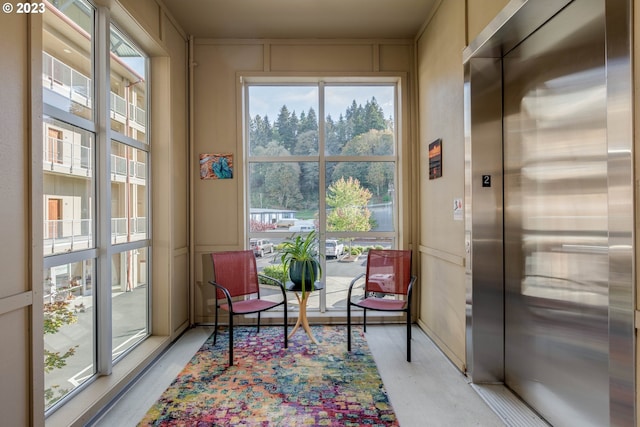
(387, 287)
(238, 292)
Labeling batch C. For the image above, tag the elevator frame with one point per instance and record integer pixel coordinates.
(484, 246)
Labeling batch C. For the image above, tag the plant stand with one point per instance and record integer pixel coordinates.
(303, 299)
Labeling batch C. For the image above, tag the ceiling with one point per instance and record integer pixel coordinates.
(301, 19)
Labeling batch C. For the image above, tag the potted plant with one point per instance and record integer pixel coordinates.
(300, 261)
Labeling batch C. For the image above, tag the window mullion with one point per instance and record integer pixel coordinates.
(322, 205)
(103, 138)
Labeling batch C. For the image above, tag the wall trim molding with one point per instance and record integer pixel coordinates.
(15, 302)
(442, 255)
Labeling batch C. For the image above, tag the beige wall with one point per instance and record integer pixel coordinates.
(441, 115)
(480, 13)
(636, 137)
(219, 205)
(15, 290)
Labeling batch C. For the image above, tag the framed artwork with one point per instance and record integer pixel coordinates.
(216, 166)
(435, 159)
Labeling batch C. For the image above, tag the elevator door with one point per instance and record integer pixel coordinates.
(555, 207)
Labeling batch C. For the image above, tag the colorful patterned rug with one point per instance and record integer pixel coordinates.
(303, 385)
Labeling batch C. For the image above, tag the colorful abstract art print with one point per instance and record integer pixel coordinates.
(216, 166)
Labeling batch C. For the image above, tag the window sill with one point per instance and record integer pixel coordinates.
(85, 405)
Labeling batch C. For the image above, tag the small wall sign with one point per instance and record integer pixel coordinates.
(458, 211)
(486, 180)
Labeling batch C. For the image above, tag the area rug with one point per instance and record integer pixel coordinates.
(303, 385)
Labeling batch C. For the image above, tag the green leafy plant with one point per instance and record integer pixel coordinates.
(274, 271)
(301, 253)
(56, 315)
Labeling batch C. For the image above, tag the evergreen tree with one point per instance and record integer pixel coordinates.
(285, 129)
(260, 132)
(332, 143)
(308, 122)
(373, 116)
(309, 184)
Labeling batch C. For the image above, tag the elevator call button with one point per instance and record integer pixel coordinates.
(486, 180)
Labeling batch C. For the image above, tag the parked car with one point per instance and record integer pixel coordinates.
(303, 228)
(333, 248)
(261, 246)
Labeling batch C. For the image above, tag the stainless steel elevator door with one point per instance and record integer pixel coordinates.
(555, 207)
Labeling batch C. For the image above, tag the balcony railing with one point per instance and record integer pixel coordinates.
(66, 81)
(65, 154)
(138, 115)
(137, 229)
(118, 105)
(66, 235)
(119, 167)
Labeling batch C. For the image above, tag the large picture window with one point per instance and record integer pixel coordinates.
(322, 156)
(95, 199)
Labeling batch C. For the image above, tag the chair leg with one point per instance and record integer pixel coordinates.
(348, 326)
(258, 322)
(215, 328)
(286, 332)
(408, 336)
(230, 339)
(364, 319)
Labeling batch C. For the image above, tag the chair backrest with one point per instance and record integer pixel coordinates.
(236, 271)
(388, 271)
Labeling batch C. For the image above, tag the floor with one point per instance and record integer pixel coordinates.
(429, 391)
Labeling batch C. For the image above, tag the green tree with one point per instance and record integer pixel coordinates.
(309, 184)
(334, 141)
(285, 128)
(348, 202)
(275, 184)
(377, 176)
(373, 116)
(282, 185)
(56, 315)
(260, 132)
(372, 143)
(308, 122)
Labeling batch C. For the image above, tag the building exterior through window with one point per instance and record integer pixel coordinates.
(96, 200)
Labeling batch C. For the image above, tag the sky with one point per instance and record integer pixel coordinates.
(268, 100)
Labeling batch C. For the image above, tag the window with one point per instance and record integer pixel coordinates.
(95, 199)
(323, 156)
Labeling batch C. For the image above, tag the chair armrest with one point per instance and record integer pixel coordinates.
(410, 288)
(276, 281)
(224, 291)
(353, 282)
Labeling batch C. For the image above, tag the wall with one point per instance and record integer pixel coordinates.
(15, 290)
(441, 115)
(636, 137)
(218, 206)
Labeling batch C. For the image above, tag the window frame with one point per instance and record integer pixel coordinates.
(102, 250)
(378, 79)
